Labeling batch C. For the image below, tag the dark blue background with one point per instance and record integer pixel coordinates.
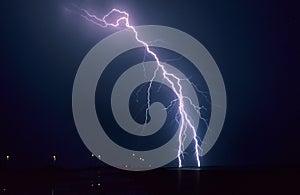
(43, 43)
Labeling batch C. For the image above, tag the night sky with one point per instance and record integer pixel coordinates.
(43, 44)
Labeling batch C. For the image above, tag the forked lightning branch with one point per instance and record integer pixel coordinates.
(188, 111)
(185, 121)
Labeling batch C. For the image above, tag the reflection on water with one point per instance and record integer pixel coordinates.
(53, 180)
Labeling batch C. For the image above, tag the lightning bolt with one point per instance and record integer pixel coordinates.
(185, 122)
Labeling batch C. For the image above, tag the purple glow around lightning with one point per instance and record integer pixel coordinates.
(186, 122)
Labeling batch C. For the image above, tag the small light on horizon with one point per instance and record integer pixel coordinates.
(54, 158)
(7, 157)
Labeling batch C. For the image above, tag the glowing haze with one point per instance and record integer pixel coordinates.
(185, 122)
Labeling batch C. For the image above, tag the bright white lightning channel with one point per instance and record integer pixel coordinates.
(175, 82)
